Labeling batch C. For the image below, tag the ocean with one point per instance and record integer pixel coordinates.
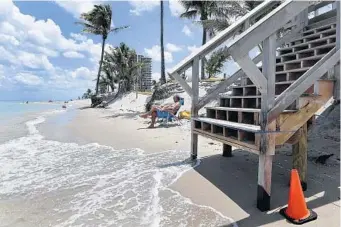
(50, 183)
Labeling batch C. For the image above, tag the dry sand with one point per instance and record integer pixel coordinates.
(225, 184)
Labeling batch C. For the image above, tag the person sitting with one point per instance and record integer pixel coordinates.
(155, 110)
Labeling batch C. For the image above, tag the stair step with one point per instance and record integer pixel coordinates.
(317, 35)
(301, 59)
(326, 46)
(229, 124)
(331, 25)
(307, 43)
(249, 110)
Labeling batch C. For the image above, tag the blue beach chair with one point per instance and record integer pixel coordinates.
(167, 116)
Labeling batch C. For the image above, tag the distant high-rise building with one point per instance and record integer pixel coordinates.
(145, 72)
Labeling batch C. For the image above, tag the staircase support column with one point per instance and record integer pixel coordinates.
(337, 67)
(194, 109)
(267, 138)
(299, 155)
(227, 150)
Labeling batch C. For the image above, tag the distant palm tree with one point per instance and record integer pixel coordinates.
(213, 15)
(216, 62)
(98, 22)
(122, 62)
(163, 73)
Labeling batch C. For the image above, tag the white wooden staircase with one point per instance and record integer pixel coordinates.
(236, 120)
(271, 104)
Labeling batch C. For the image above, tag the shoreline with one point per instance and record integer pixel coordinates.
(211, 181)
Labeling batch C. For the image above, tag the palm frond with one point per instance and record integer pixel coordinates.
(118, 29)
(191, 14)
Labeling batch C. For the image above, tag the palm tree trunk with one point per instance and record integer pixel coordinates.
(204, 36)
(163, 74)
(100, 65)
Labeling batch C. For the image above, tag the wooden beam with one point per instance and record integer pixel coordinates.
(299, 155)
(227, 150)
(297, 88)
(267, 139)
(252, 71)
(337, 67)
(194, 110)
(183, 83)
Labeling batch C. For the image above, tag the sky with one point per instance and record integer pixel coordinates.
(44, 55)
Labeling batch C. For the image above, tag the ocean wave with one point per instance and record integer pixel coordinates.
(96, 185)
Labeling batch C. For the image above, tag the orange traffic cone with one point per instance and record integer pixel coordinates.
(297, 211)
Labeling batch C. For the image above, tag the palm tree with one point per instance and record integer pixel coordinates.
(98, 22)
(122, 62)
(213, 16)
(163, 73)
(215, 63)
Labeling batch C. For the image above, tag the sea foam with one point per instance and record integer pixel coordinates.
(95, 185)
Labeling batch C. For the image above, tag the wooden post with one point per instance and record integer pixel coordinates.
(299, 155)
(194, 110)
(337, 67)
(227, 150)
(267, 139)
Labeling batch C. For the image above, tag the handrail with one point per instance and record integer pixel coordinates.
(222, 36)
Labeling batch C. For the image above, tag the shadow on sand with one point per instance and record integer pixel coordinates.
(240, 183)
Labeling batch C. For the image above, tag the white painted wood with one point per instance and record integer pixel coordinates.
(252, 71)
(229, 124)
(248, 110)
(304, 82)
(337, 67)
(266, 26)
(228, 140)
(224, 84)
(222, 36)
(194, 109)
(267, 138)
(183, 83)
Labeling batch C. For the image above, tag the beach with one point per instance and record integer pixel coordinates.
(103, 167)
(225, 185)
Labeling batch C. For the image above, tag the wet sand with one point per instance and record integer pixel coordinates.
(225, 184)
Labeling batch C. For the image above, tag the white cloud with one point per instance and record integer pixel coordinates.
(46, 51)
(173, 48)
(187, 31)
(83, 73)
(193, 48)
(34, 61)
(28, 79)
(176, 8)
(142, 6)
(37, 37)
(7, 39)
(73, 54)
(76, 7)
(155, 54)
(7, 28)
(79, 37)
(7, 56)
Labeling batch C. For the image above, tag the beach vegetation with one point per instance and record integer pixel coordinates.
(87, 94)
(120, 67)
(98, 22)
(215, 63)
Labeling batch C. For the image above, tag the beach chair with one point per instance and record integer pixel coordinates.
(166, 117)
